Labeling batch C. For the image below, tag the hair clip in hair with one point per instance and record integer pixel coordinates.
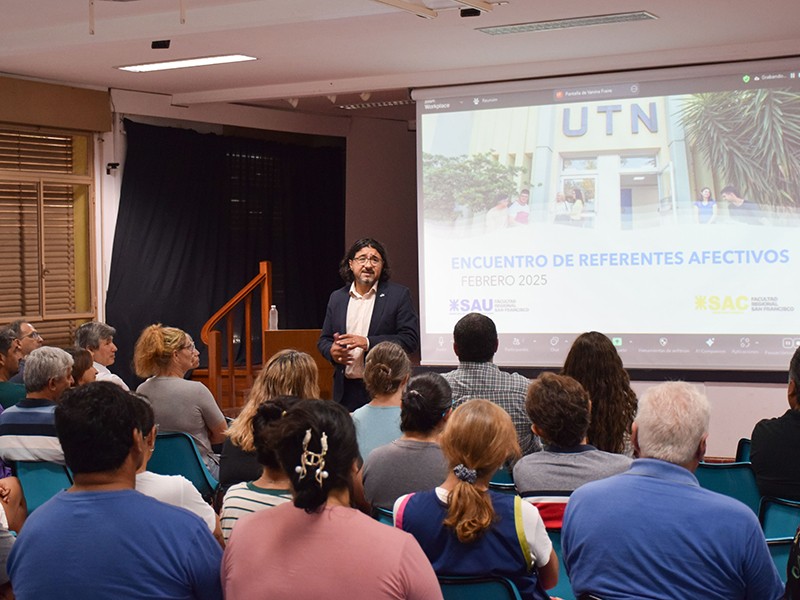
(313, 459)
(465, 474)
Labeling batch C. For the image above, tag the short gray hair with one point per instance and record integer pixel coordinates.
(89, 335)
(671, 421)
(44, 364)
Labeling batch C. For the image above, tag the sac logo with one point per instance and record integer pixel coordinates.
(722, 304)
(466, 305)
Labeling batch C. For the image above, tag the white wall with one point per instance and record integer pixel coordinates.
(382, 193)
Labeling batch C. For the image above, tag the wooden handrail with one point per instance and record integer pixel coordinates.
(213, 338)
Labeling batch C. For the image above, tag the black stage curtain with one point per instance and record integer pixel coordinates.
(199, 211)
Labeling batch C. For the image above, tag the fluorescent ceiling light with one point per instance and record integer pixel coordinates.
(569, 23)
(188, 62)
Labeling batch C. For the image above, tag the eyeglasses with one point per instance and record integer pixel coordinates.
(34, 335)
(362, 260)
(190, 346)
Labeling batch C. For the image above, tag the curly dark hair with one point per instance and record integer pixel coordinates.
(595, 364)
(344, 265)
(559, 407)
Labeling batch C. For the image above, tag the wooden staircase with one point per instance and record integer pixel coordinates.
(228, 381)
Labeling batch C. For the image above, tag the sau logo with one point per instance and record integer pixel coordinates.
(722, 304)
(484, 305)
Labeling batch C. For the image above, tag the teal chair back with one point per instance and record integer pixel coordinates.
(503, 481)
(41, 481)
(478, 588)
(779, 549)
(732, 479)
(175, 453)
(743, 450)
(779, 518)
(563, 589)
(384, 515)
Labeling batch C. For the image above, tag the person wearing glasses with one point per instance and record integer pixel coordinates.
(367, 310)
(29, 340)
(165, 355)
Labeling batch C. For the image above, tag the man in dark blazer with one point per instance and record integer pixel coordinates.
(368, 310)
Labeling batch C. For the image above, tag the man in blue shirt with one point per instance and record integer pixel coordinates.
(653, 532)
(102, 539)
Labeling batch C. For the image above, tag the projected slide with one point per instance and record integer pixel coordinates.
(662, 212)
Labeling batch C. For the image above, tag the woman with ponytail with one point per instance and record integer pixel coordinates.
(165, 355)
(272, 487)
(317, 546)
(414, 462)
(465, 528)
(386, 373)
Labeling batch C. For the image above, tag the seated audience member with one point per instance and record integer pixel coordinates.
(172, 489)
(357, 557)
(287, 373)
(13, 509)
(29, 340)
(13, 512)
(560, 411)
(273, 487)
(414, 462)
(165, 355)
(465, 528)
(652, 531)
(774, 445)
(83, 370)
(595, 364)
(98, 339)
(386, 372)
(10, 354)
(101, 538)
(27, 430)
(475, 343)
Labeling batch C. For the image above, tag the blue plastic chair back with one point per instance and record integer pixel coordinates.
(176, 454)
(478, 588)
(732, 479)
(563, 589)
(743, 450)
(41, 481)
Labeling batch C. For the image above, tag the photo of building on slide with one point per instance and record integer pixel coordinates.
(634, 163)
